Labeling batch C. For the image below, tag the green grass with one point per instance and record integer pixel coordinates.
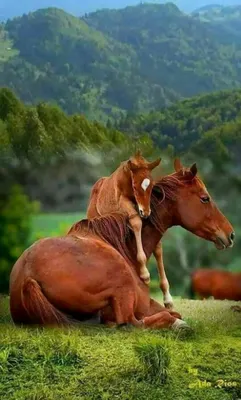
(44, 225)
(108, 363)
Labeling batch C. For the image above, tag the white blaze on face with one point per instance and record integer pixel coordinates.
(146, 182)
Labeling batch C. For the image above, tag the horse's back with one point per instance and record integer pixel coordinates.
(227, 286)
(202, 281)
(103, 198)
(217, 283)
(68, 269)
(59, 255)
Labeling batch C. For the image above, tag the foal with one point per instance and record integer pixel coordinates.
(129, 186)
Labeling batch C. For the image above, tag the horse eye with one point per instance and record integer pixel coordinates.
(205, 199)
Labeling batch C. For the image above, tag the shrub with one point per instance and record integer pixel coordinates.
(15, 229)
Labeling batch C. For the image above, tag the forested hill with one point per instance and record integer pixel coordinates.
(111, 62)
(225, 21)
(209, 120)
(218, 13)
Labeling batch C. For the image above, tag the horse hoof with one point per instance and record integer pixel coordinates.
(169, 306)
(125, 326)
(179, 324)
(236, 308)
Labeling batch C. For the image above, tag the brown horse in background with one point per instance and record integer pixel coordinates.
(94, 267)
(129, 186)
(222, 285)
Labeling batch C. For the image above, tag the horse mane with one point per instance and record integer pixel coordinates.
(112, 229)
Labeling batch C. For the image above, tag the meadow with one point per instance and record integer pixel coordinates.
(44, 225)
(93, 362)
(101, 363)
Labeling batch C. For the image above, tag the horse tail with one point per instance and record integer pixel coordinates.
(40, 311)
(191, 291)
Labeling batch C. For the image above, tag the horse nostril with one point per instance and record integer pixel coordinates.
(232, 236)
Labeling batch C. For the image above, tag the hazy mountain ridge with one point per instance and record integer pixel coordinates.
(11, 8)
(114, 61)
(225, 22)
(218, 13)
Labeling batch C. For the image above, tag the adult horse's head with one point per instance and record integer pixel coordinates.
(142, 182)
(193, 207)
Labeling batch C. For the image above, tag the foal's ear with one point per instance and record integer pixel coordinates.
(178, 165)
(132, 166)
(193, 170)
(154, 164)
(138, 154)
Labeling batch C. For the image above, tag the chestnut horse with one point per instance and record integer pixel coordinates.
(222, 285)
(94, 267)
(131, 184)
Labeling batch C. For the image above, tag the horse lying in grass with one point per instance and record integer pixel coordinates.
(94, 267)
(131, 184)
(222, 285)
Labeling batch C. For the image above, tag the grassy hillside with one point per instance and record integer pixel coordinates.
(114, 61)
(105, 363)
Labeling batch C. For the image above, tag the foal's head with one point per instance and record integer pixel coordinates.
(194, 209)
(142, 182)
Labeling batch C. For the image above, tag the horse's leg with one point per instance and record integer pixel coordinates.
(163, 319)
(156, 307)
(236, 308)
(123, 308)
(164, 284)
(123, 313)
(136, 224)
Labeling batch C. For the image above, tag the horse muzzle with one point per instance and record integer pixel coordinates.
(223, 241)
(143, 213)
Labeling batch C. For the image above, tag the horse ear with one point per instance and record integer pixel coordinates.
(157, 189)
(131, 165)
(193, 169)
(154, 164)
(138, 154)
(178, 165)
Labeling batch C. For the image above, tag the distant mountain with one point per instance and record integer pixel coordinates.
(13, 8)
(225, 21)
(217, 13)
(208, 7)
(114, 62)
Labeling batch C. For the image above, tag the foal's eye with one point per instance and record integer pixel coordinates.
(205, 199)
